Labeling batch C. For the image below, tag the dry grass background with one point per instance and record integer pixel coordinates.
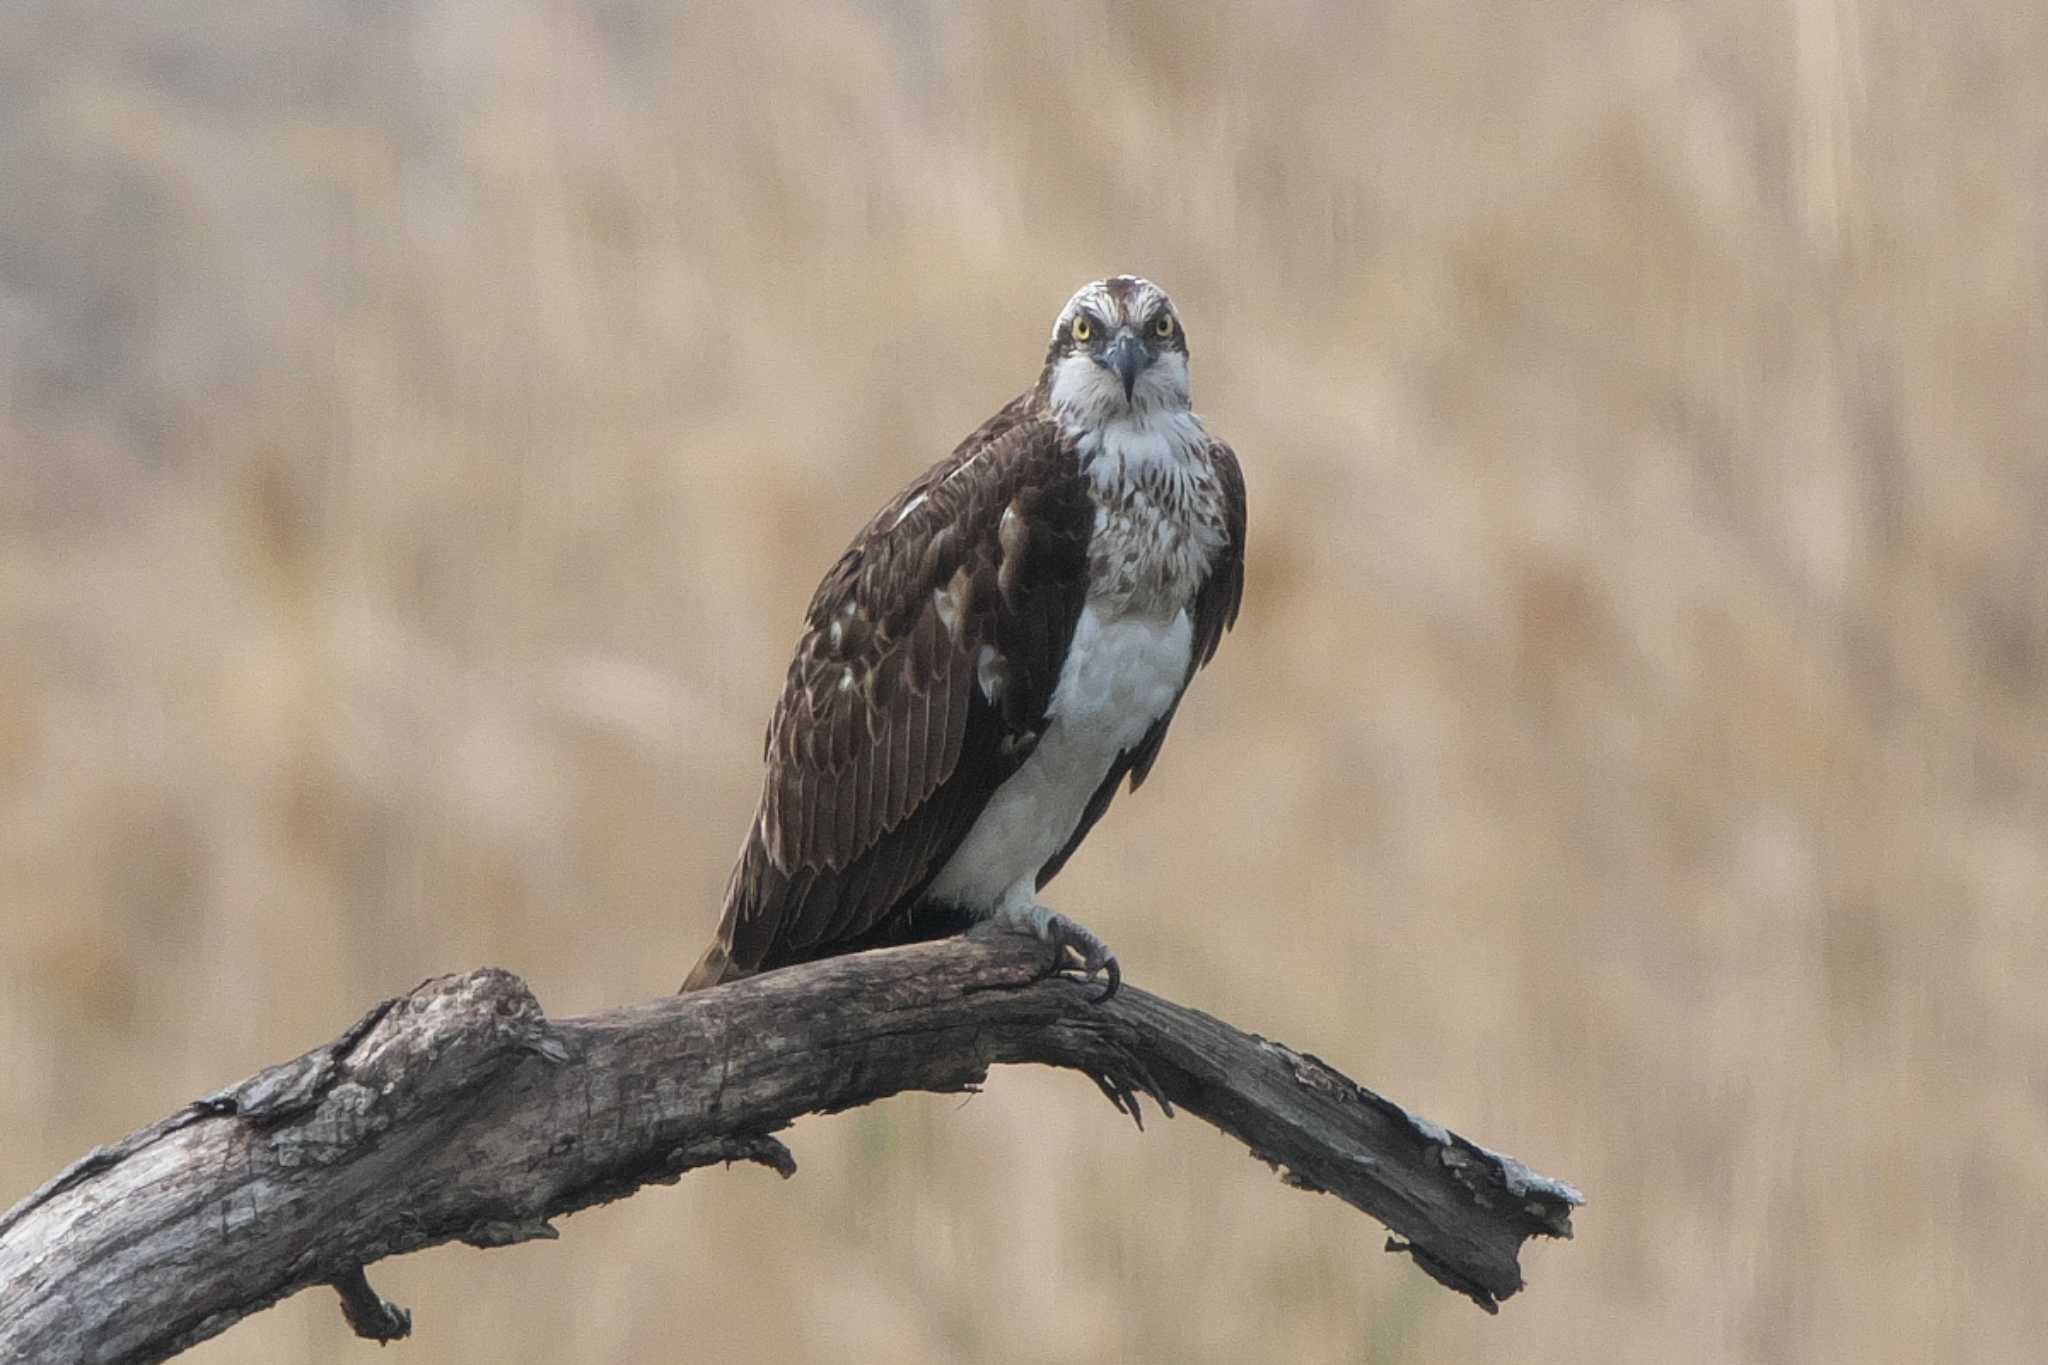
(424, 423)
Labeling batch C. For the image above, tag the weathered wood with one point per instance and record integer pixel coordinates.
(461, 1112)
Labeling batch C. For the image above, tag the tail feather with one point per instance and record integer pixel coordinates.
(715, 968)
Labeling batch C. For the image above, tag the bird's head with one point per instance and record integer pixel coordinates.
(1118, 348)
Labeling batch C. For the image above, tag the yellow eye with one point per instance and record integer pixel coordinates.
(1164, 327)
(1081, 328)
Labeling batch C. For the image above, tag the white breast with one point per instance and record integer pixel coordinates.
(1120, 676)
(1159, 519)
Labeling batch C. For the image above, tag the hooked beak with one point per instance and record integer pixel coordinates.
(1125, 357)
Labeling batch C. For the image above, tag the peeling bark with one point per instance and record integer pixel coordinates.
(460, 1112)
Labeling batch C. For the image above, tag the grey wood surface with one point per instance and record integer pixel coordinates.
(460, 1111)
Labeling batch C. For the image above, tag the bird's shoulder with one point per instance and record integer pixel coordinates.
(1015, 474)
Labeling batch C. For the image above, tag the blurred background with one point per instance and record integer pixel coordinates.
(421, 427)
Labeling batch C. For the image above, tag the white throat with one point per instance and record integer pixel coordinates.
(1161, 450)
(1158, 508)
(1152, 437)
(1086, 395)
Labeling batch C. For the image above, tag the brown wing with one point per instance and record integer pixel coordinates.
(1215, 611)
(928, 657)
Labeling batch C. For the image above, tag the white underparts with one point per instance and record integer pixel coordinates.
(1119, 677)
(1128, 661)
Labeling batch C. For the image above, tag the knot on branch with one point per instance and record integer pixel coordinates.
(450, 1033)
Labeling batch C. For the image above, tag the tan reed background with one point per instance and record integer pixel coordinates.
(424, 423)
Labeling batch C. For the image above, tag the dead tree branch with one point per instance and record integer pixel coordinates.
(460, 1112)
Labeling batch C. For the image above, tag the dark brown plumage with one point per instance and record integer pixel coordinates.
(929, 656)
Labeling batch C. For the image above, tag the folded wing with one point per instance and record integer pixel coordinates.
(928, 657)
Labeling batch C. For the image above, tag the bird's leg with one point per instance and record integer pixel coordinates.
(1027, 916)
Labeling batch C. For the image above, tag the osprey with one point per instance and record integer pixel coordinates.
(998, 650)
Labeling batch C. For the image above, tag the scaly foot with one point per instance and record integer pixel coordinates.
(1021, 913)
(1069, 936)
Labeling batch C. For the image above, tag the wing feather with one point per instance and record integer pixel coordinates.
(899, 742)
(873, 779)
(805, 908)
(917, 725)
(804, 832)
(891, 776)
(946, 739)
(851, 895)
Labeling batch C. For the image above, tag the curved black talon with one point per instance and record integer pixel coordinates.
(1095, 957)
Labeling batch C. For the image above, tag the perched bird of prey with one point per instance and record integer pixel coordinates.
(999, 648)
